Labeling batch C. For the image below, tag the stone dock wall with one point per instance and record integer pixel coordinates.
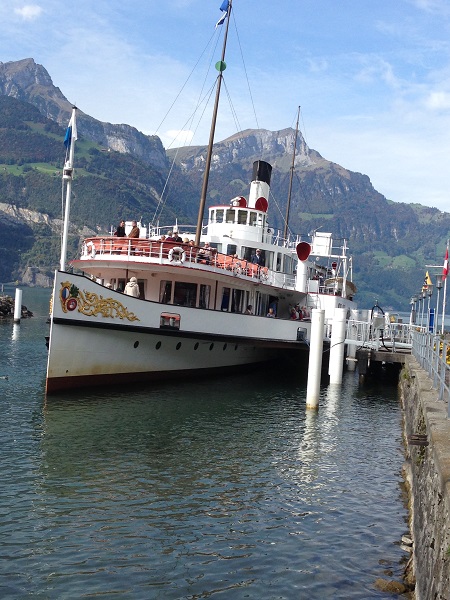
(427, 471)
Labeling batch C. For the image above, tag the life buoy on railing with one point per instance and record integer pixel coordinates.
(177, 255)
(90, 249)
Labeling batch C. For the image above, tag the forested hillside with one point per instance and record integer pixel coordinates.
(108, 186)
(391, 242)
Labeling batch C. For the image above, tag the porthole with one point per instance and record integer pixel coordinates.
(196, 346)
(225, 346)
(136, 344)
(178, 346)
(235, 348)
(211, 346)
(158, 345)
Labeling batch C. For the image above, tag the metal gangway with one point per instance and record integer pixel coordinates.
(431, 350)
(380, 333)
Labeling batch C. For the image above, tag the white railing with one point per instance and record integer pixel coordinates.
(380, 334)
(433, 354)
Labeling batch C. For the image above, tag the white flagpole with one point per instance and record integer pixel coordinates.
(67, 177)
(444, 298)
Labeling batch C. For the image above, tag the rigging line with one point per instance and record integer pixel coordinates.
(164, 189)
(233, 111)
(199, 101)
(184, 84)
(205, 102)
(278, 208)
(207, 95)
(245, 70)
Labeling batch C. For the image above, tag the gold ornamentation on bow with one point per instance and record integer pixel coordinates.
(92, 304)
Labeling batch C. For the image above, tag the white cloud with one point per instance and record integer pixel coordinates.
(438, 101)
(29, 12)
(177, 137)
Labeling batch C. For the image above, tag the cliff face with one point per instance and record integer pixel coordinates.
(30, 82)
(276, 147)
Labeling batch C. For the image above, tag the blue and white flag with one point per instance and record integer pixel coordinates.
(71, 132)
(224, 7)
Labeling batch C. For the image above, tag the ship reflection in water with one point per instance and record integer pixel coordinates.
(222, 487)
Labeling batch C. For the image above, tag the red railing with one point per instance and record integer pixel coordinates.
(172, 253)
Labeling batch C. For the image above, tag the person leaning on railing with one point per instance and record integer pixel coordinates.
(134, 234)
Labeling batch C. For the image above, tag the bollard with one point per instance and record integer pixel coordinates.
(18, 306)
(336, 364)
(315, 358)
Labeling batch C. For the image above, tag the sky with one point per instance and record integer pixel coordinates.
(372, 77)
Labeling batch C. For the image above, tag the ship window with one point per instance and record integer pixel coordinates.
(252, 218)
(231, 249)
(165, 292)
(225, 299)
(219, 216)
(242, 217)
(184, 293)
(141, 285)
(203, 298)
(278, 267)
(237, 301)
(230, 216)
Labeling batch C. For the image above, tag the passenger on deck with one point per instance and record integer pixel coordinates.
(271, 314)
(306, 314)
(293, 314)
(176, 237)
(135, 231)
(248, 310)
(120, 231)
(132, 288)
(204, 254)
(170, 237)
(258, 259)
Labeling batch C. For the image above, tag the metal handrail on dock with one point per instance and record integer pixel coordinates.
(433, 354)
(391, 336)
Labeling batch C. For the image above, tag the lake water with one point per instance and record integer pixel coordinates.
(222, 488)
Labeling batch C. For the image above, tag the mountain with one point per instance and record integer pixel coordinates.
(27, 81)
(121, 172)
(392, 242)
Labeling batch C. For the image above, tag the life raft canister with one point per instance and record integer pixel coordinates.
(177, 255)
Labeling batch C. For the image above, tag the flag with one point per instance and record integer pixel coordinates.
(224, 7)
(428, 279)
(445, 267)
(71, 132)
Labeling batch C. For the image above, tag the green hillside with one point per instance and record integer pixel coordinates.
(107, 186)
(391, 242)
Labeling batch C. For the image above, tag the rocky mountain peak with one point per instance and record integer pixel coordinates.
(30, 82)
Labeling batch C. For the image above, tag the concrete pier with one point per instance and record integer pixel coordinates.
(427, 471)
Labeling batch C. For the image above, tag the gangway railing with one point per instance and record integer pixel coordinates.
(376, 335)
(433, 354)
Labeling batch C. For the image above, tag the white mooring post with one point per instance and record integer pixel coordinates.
(315, 358)
(18, 306)
(352, 334)
(336, 364)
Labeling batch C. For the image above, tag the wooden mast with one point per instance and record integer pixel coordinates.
(220, 66)
(286, 221)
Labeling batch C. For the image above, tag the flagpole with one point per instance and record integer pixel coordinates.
(220, 66)
(67, 178)
(444, 294)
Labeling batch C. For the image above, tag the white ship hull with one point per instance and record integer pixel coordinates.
(104, 337)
